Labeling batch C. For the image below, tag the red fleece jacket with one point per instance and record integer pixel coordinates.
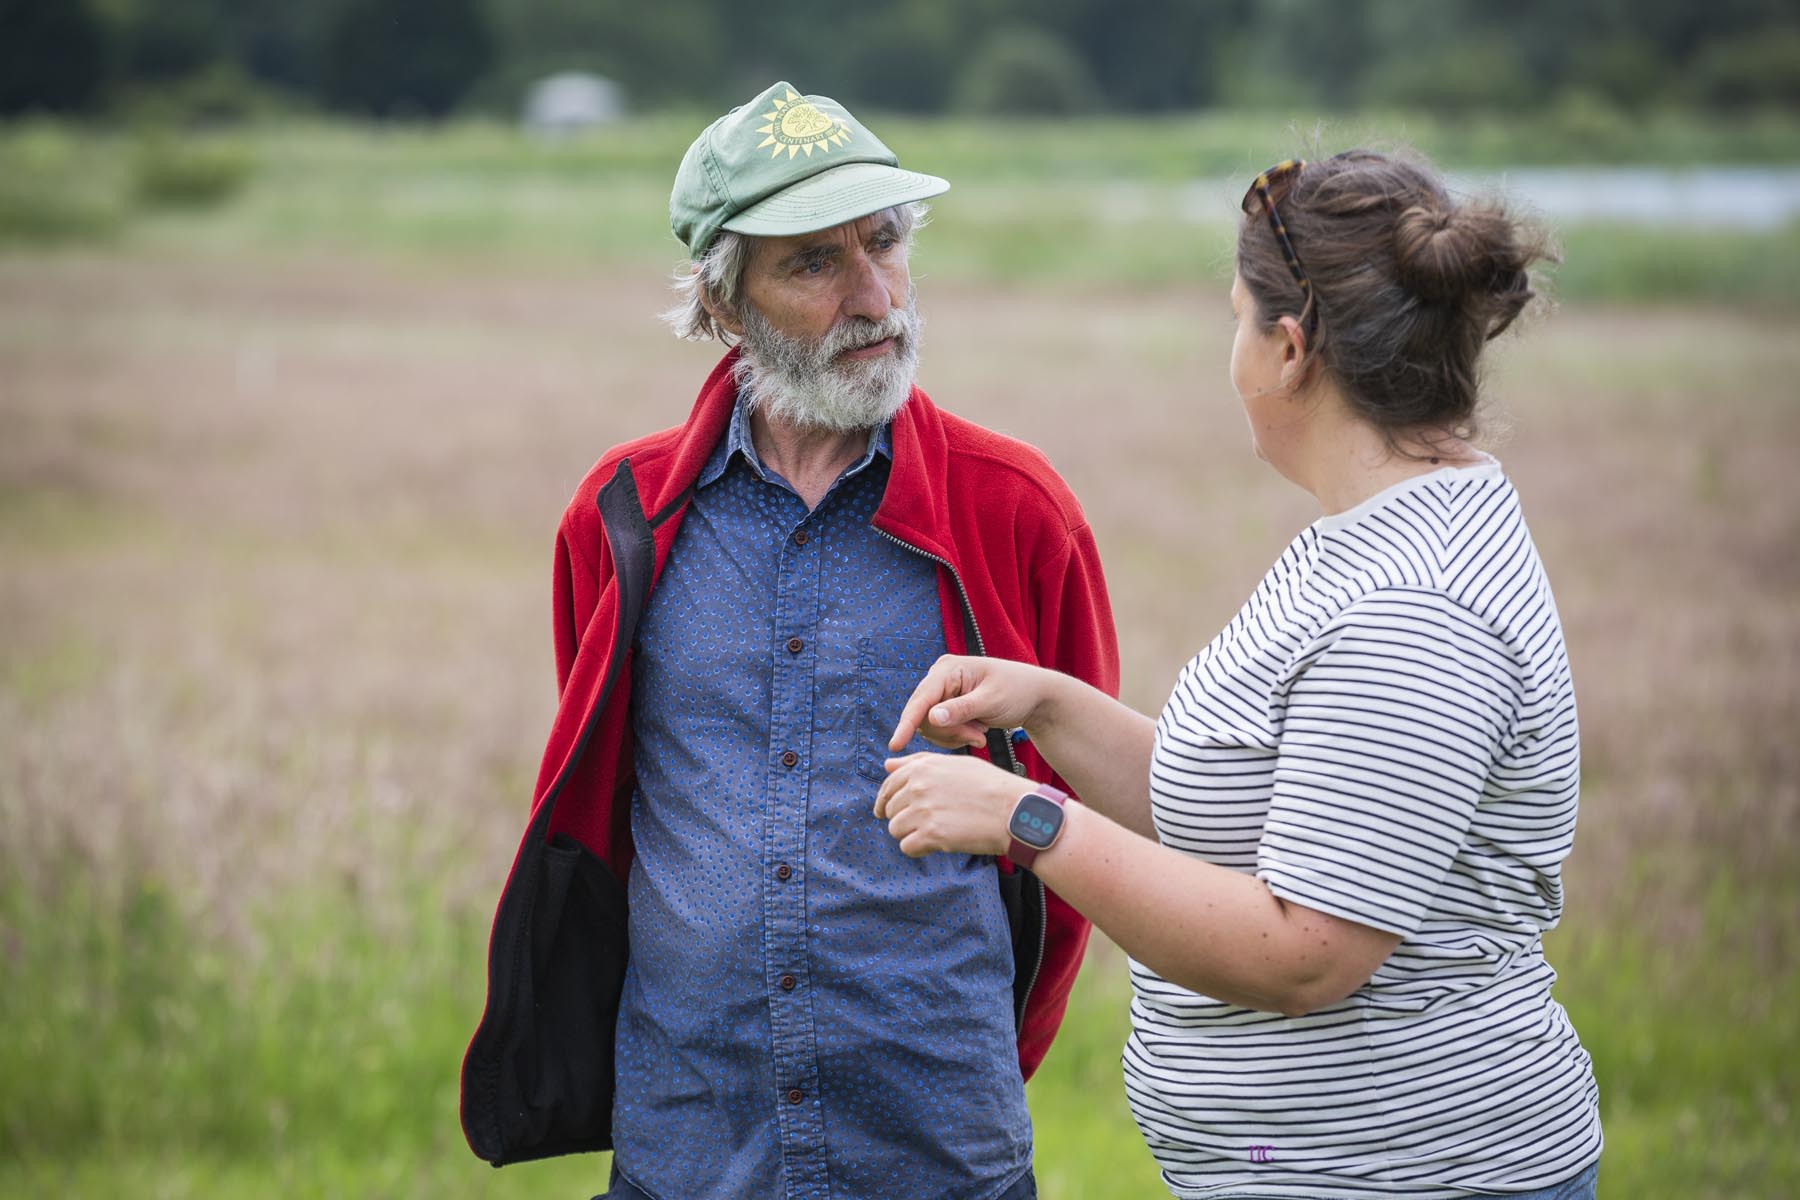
(1005, 530)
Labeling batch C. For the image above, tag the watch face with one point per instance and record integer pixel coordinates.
(1036, 820)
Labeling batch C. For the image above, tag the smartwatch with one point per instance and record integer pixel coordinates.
(1036, 823)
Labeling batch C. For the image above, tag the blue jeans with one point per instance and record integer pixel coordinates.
(621, 1188)
(1579, 1187)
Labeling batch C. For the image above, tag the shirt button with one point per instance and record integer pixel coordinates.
(788, 982)
(784, 872)
(795, 1096)
(795, 645)
(789, 759)
(801, 537)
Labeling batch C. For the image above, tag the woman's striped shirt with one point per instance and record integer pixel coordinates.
(1386, 732)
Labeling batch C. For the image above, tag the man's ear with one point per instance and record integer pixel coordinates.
(725, 318)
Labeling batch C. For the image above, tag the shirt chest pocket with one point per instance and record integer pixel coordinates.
(887, 671)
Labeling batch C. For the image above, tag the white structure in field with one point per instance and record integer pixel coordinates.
(571, 101)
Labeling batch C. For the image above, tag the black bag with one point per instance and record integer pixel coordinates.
(538, 1077)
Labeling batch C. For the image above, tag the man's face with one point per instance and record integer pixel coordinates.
(804, 286)
(829, 328)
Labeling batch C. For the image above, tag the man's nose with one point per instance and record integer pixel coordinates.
(866, 292)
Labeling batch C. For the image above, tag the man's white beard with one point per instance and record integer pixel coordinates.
(802, 383)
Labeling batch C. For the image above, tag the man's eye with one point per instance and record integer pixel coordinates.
(813, 268)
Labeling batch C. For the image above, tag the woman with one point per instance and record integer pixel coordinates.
(1332, 857)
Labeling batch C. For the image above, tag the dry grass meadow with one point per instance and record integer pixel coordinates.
(275, 667)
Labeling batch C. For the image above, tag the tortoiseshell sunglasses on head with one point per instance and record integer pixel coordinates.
(1270, 187)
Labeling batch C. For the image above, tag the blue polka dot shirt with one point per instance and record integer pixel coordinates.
(807, 1012)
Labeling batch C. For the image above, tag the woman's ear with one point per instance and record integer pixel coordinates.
(1295, 365)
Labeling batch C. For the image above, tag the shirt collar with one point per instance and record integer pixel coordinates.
(737, 440)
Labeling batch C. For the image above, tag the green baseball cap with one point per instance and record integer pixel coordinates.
(786, 164)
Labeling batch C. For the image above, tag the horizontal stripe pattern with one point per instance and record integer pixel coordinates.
(1385, 732)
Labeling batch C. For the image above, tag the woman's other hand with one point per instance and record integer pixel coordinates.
(948, 802)
(964, 696)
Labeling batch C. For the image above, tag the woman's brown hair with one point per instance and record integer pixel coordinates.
(1408, 283)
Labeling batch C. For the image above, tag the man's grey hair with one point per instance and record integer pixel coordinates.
(719, 276)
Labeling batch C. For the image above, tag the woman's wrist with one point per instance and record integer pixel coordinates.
(1074, 815)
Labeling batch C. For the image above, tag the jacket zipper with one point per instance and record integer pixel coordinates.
(1012, 762)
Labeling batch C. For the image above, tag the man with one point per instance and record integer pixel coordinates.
(742, 605)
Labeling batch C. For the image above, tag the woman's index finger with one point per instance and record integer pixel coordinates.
(929, 691)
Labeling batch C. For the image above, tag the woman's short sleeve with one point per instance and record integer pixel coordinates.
(1389, 726)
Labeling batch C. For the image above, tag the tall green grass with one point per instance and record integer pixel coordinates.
(315, 1057)
(144, 1053)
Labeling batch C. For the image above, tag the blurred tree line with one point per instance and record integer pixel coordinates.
(427, 58)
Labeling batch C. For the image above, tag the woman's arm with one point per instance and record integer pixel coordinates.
(1099, 746)
(1390, 736)
(1203, 927)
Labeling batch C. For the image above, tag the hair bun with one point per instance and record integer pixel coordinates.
(1444, 254)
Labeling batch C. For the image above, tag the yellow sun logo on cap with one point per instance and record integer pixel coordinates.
(795, 125)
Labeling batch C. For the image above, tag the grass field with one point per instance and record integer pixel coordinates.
(275, 529)
(1086, 204)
